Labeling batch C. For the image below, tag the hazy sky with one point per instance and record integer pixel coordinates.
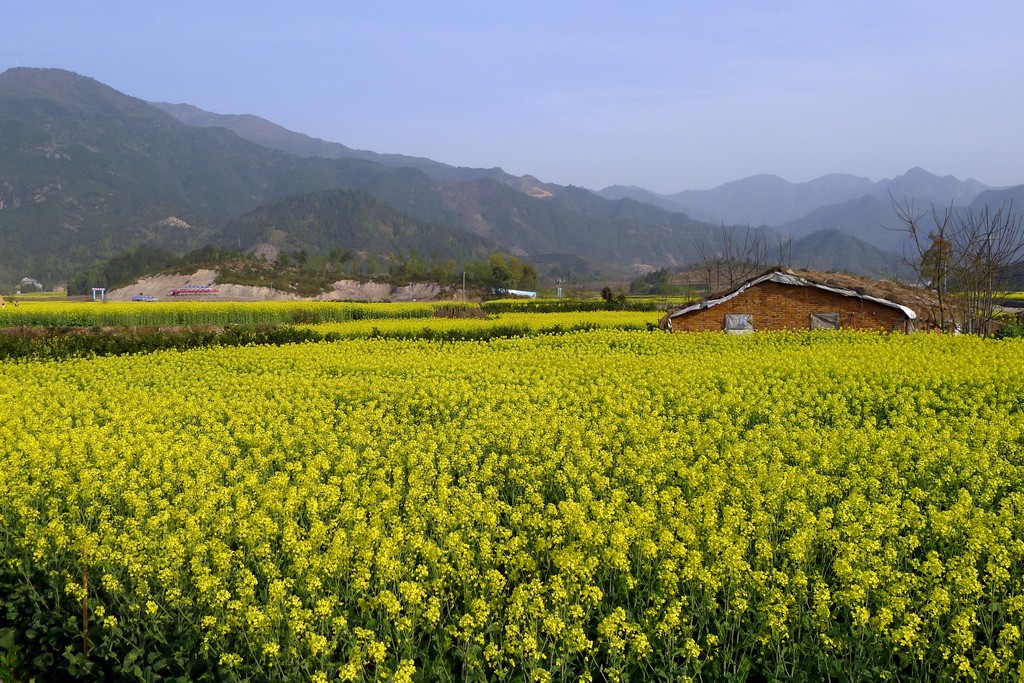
(665, 95)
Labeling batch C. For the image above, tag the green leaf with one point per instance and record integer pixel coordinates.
(132, 656)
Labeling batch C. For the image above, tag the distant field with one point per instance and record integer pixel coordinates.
(39, 296)
(67, 313)
(500, 324)
(179, 313)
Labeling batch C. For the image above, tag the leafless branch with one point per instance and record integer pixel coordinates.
(964, 258)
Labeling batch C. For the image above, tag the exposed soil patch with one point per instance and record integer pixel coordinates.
(160, 286)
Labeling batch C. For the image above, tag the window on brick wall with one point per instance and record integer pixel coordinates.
(824, 321)
(739, 323)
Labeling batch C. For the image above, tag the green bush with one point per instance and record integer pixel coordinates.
(1012, 329)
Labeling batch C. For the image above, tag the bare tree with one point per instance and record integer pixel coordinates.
(965, 258)
(991, 242)
(740, 257)
(783, 250)
(930, 254)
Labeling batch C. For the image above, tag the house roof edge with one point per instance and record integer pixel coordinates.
(787, 277)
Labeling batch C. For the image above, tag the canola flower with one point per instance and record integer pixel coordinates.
(512, 324)
(607, 505)
(88, 314)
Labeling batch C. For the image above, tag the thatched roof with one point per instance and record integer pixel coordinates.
(920, 302)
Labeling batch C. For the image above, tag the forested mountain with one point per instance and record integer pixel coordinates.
(482, 203)
(832, 250)
(318, 223)
(867, 218)
(859, 234)
(268, 134)
(87, 172)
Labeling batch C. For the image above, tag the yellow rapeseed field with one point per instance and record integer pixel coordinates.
(88, 314)
(608, 505)
(514, 323)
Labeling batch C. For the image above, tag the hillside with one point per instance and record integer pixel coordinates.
(482, 203)
(268, 134)
(353, 220)
(87, 172)
(832, 250)
(867, 218)
(1010, 197)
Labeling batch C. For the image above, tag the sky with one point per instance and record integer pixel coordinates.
(668, 96)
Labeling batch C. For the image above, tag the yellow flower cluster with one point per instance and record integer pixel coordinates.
(608, 505)
(87, 314)
(519, 322)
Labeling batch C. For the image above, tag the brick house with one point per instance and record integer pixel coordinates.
(788, 300)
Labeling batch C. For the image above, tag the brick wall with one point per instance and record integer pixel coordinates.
(775, 306)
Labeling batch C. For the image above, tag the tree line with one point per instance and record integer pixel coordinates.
(308, 274)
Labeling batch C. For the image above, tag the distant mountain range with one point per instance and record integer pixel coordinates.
(267, 134)
(87, 172)
(833, 204)
(770, 200)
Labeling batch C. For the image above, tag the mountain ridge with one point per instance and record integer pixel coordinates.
(839, 202)
(86, 169)
(268, 134)
(87, 172)
(767, 199)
